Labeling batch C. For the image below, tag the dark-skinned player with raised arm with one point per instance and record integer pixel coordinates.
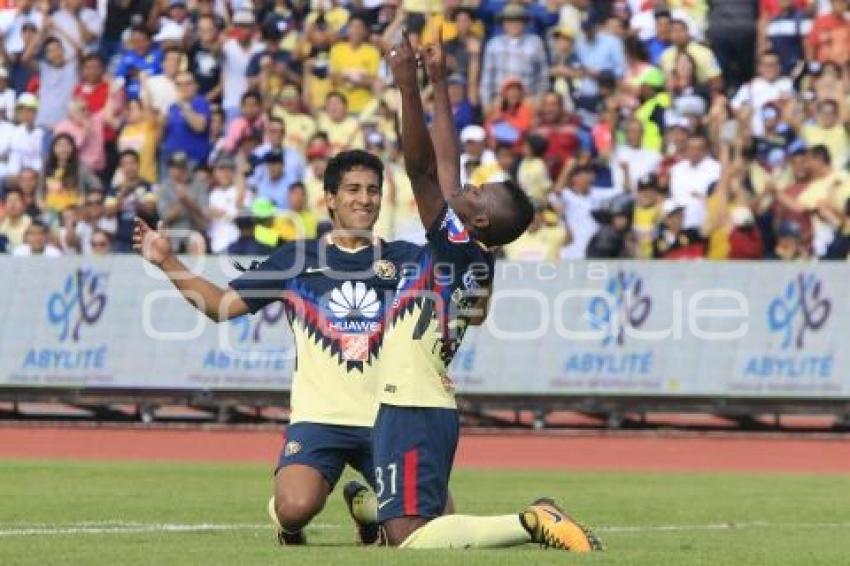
(416, 431)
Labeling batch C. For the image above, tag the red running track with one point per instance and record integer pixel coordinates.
(508, 451)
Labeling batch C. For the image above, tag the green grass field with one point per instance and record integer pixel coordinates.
(117, 513)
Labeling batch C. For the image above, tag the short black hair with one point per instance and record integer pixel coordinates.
(298, 186)
(142, 29)
(344, 162)
(462, 10)
(38, 224)
(337, 94)
(91, 57)
(537, 144)
(251, 94)
(169, 50)
(358, 17)
(512, 218)
(820, 152)
(578, 170)
(51, 40)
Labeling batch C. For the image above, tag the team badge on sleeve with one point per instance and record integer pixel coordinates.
(454, 227)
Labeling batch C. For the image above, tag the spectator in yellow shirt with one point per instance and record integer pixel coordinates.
(646, 215)
(533, 175)
(300, 127)
(445, 22)
(299, 222)
(708, 70)
(141, 133)
(323, 26)
(497, 171)
(828, 187)
(343, 131)
(354, 65)
(317, 82)
(541, 242)
(828, 130)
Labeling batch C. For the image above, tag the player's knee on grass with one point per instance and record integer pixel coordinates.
(300, 494)
(397, 530)
(295, 510)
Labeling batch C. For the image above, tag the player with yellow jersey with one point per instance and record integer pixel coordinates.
(336, 292)
(417, 428)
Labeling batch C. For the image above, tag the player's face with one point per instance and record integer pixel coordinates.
(357, 202)
(472, 204)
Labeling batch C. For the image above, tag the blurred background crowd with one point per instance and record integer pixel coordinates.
(641, 128)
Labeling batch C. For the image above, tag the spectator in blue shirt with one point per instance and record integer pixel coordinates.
(279, 170)
(142, 57)
(462, 110)
(600, 54)
(187, 123)
(656, 45)
(785, 34)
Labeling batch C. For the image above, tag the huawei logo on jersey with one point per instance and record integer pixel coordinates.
(353, 300)
(456, 230)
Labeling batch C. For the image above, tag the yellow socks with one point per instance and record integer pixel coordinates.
(467, 531)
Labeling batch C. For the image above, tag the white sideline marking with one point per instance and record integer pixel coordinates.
(719, 527)
(122, 527)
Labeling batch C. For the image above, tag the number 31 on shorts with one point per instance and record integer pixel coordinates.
(386, 480)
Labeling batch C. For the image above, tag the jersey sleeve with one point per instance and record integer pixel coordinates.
(265, 283)
(454, 250)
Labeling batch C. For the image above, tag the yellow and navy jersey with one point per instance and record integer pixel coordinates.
(336, 303)
(424, 326)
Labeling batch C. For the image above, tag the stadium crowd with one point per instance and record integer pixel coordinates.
(641, 128)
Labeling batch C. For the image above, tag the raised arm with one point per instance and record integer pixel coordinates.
(419, 158)
(216, 303)
(443, 133)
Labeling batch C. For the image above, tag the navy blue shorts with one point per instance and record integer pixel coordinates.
(414, 448)
(328, 448)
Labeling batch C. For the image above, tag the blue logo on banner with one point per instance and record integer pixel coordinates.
(799, 309)
(82, 300)
(626, 305)
(802, 307)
